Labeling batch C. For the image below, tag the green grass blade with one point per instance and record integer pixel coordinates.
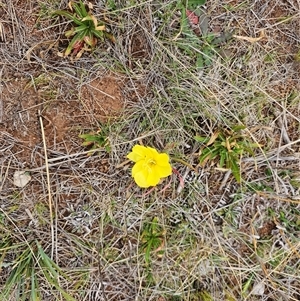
(223, 158)
(68, 15)
(97, 33)
(206, 153)
(52, 271)
(53, 267)
(54, 283)
(80, 28)
(83, 9)
(18, 275)
(35, 296)
(77, 10)
(200, 139)
(233, 165)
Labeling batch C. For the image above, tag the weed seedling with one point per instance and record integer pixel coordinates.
(95, 140)
(152, 239)
(228, 147)
(86, 29)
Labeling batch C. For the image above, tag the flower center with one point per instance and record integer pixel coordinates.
(149, 164)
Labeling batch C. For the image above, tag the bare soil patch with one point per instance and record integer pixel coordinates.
(100, 101)
(103, 98)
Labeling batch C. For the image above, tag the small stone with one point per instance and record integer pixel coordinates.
(21, 178)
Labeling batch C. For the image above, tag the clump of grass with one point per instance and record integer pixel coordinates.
(31, 263)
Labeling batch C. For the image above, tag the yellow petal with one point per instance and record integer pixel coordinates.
(133, 157)
(143, 176)
(140, 180)
(140, 175)
(138, 167)
(162, 171)
(162, 160)
(152, 152)
(150, 166)
(138, 153)
(153, 178)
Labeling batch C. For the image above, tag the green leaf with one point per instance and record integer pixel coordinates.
(52, 272)
(80, 28)
(223, 158)
(235, 168)
(238, 128)
(152, 238)
(70, 33)
(77, 10)
(75, 30)
(97, 33)
(80, 10)
(201, 139)
(93, 138)
(87, 18)
(206, 153)
(52, 281)
(88, 137)
(19, 275)
(199, 61)
(196, 2)
(246, 286)
(111, 4)
(207, 55)
(35, 294)
(68, 15)
(82, 7)
(214, 154)
(205, 296)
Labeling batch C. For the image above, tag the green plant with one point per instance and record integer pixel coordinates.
(95, 140)
(206, 44)
(152, 238)
(290, 221)
(228, 147)
(86, 30)
(111, 4)
(189, 12)
(24, 278)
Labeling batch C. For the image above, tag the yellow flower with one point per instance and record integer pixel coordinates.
(150, 166)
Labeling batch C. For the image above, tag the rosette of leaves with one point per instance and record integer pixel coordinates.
(96, 140)
(86, 29)
(226, 146)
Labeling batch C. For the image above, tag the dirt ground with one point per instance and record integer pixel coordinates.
(47, 101)
(98, 102)
(66, 105)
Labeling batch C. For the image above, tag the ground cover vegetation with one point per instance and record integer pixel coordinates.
(213, 86)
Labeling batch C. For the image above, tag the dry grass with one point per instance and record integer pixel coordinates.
(214, 239)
